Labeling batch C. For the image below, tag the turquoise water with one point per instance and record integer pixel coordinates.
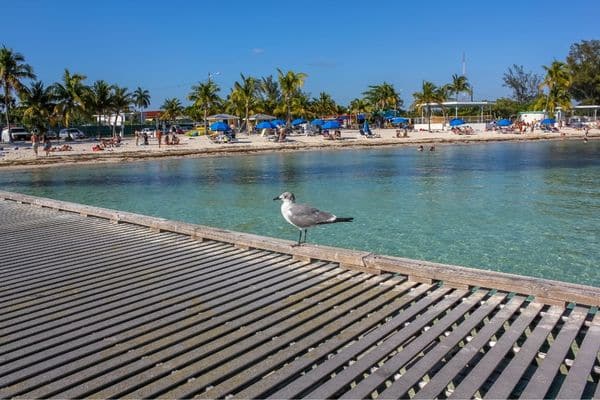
(525, 208)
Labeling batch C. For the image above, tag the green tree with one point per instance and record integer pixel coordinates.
(525, 85)
(324, 105)
(205, 96)
(141, 99)
(120, 100)
(13, 71)
(429, 96)
(37, 103)
(460, 84)
(383, 97)
(269, 94)
(98, 101)
(246, 93)
(584, 62)
(70, 97)
(557, 82)
(290, 84)
(302, 106)
(172, 108)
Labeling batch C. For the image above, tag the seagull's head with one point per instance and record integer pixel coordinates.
(286, 196)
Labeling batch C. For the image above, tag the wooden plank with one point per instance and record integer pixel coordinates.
(544, 375)
(491, 360)
(511, 375)
(390, 345)
(332, 346)
(460, 360)
(574, 384)
(172, 324)
(304, 382)
(326, 340)
(364, 388)
(252, 340)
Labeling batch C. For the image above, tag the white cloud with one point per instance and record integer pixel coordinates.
(258, 50)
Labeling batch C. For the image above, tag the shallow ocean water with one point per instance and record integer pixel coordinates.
(524, 208)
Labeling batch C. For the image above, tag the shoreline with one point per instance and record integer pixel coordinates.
(22, 156)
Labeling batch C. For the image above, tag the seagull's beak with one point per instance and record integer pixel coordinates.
(276, 198)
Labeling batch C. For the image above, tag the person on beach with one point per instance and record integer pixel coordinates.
(136, 134)
(47, 145)
(432, 148)
(35, 142)
(159, 137)
(145, 135)
(420, 148)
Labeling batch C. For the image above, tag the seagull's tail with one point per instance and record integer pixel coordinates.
(337, 219)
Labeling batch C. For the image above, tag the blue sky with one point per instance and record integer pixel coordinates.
(343, 46)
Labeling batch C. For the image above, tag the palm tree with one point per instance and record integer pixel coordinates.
(37, 103)
(269, 93)
(12, 71)
(290, 84)
(459, 84)
(359, 106)
(245, 92)
(70, 97)
(428, 96)
(141, 99)
(205, 97)
(302, 106)
(383, 96)
(120, 100)
(172, 108)
(324, 105)
(558, 82)
(99, 101)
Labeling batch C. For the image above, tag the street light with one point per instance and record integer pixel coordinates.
(206, 104)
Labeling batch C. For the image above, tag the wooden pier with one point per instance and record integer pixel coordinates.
(105, 304)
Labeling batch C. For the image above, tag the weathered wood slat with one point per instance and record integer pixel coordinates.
(363, 364)
(544, 375)
(491, 360)
(574, 384)
(511, 375)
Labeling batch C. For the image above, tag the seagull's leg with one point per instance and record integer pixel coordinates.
(305, 232)
(300, 238)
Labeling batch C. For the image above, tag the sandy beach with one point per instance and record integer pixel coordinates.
(21, 155)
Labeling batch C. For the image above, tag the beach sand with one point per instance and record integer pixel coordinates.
(19, 155)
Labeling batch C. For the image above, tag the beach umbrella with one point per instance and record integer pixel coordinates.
(219, 126)
(503, 122)
(278, 122)
(298, 121)
(265, 125)
(331, 125)
(316, 122)
(456, 122)
(399, 120)
(548, 121)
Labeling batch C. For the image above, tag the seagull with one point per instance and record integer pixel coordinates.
(303, 216)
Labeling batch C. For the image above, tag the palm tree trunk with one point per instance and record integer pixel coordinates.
(429, 118)
(6, 108)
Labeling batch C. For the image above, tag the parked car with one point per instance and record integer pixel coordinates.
(50, 134)
(71, 133)
(15, 133)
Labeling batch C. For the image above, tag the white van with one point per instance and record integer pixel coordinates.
(15, 133)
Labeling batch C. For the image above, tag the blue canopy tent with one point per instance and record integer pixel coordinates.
(503, 122)
(399, 120)
(548, 121)
(278, 122)
(456, 122)
(265, 125)
(298, 121)
(331, 125)
(219, 126)
(317, 122)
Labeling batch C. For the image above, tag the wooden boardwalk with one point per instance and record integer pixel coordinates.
(98, 303)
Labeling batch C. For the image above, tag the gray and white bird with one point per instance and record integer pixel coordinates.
(303, 216)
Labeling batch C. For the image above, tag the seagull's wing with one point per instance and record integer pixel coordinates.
(305, 216)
